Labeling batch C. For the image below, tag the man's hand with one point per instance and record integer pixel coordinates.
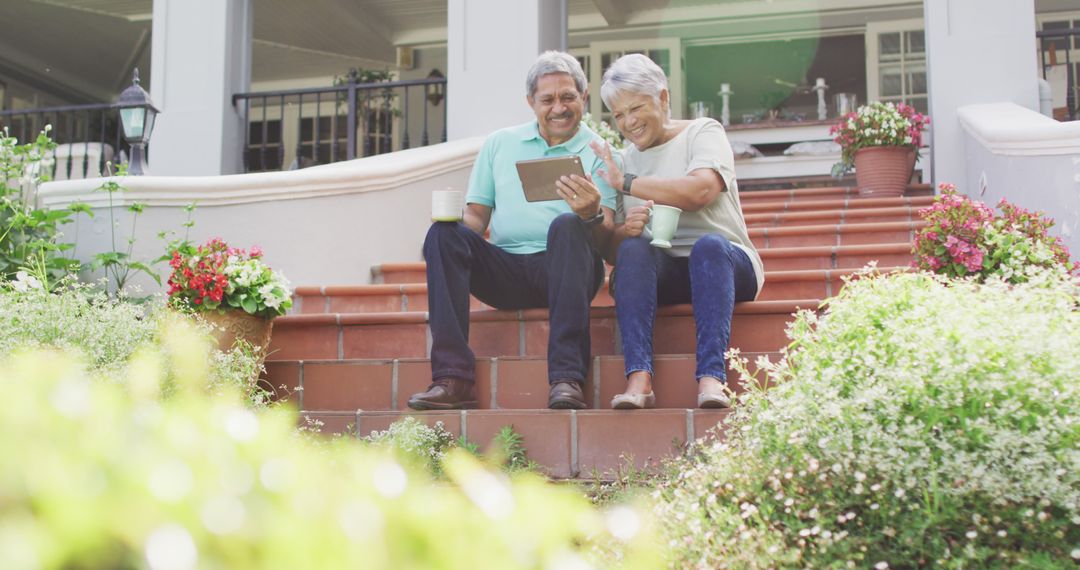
(611, 172)
(581, 194)
(636, 219)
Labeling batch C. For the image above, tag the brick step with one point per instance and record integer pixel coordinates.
(513, 382)
(757, 326)
(566, 443)
(836, 216)
(853, 203)
(897, 253)
(820, 193)
(403, 297)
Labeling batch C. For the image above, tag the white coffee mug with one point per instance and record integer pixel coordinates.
(447, 205)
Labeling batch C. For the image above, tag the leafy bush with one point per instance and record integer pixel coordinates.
(415, 442)
(964, 237)
(107, 333)
(918, 423)
(427, 446)
(28, 233)
(113, 478)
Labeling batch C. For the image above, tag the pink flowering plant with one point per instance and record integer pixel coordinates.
(966, 238)
(215, 276)
(877, 124)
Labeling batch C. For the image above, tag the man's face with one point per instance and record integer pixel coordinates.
(558, 106)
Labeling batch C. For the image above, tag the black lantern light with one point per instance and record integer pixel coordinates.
(137, 114)
(436, 91)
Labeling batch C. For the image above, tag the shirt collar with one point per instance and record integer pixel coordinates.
(575, 145)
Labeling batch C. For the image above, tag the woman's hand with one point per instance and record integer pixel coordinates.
(636, 219)
(581, 194)
(611, 172)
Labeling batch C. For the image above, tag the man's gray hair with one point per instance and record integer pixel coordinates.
(634, 73)
(556, 62)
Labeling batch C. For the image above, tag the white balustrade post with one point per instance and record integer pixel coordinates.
(725, 108)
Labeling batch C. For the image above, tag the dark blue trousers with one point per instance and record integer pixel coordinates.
(712, 279)
(564, 279)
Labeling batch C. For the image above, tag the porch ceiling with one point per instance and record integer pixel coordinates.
(84, 50)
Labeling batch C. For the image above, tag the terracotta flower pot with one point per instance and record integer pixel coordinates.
(234, 323)
(884, 171)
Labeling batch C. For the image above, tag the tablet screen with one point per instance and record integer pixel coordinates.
(538, 176)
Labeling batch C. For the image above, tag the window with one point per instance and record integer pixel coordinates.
(1056, 55)
(264, 151)
(320, 140)
(896, 63)
(667, 53)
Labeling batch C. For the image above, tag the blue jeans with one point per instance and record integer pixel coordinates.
(564, 279)
(713, 278)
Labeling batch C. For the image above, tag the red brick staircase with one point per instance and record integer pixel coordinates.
(352, 355)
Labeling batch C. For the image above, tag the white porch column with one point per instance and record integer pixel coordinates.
(491, 45)
(977, 52)
(200, 56)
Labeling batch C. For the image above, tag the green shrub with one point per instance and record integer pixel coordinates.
(917, 423)
(414, 442)
(106, 477)
(106, 333)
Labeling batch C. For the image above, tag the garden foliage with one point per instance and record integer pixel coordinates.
(106, 334)
(107, 477)
(919, 422)
(966, 238)
(214, 275)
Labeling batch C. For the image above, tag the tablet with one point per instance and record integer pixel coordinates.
(538, 176)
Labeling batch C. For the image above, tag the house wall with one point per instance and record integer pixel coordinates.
(491, 45)
(325, 225)
(1026, 158)
(978, 52)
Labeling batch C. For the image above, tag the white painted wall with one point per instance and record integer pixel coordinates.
(978, 51)
(491, 45)
(326, 225)
(1026, 158)
(200, 56)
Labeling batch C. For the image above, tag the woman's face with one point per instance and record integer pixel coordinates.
(640, 118)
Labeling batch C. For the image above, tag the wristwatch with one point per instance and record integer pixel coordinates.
(597, 219)
(628, 179)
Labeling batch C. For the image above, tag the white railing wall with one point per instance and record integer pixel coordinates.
(326, 225)
(1033, 161)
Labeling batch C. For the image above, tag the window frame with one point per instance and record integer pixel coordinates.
(874, 31)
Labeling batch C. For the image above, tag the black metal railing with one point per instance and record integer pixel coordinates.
(1049, 41)
(87, 136)
(330, 124)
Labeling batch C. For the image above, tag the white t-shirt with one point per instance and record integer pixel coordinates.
(702, 144)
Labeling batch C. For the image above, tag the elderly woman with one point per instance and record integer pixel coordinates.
(711, 263)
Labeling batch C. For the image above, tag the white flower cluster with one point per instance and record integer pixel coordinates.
(269, 288)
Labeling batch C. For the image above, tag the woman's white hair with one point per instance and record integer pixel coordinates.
(633, 73)
(556, 62)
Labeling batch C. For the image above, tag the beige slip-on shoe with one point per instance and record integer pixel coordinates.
(633, 401)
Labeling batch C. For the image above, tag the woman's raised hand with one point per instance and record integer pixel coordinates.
(611, 173)
(636, 219)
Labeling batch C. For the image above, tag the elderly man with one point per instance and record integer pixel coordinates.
(541, 254)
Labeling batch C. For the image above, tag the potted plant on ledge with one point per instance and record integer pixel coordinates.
(232, 289)
(881, 141)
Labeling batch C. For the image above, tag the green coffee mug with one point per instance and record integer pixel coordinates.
(663, 221)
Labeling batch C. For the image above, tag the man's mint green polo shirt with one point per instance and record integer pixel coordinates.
(517, 225)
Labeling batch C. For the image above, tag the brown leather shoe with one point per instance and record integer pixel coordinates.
(445, 394)
(566, 395)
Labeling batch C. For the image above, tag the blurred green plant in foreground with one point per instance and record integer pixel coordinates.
(107, 473)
